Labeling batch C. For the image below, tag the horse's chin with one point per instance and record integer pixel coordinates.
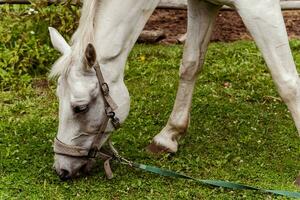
(69, 168)
(87, 168)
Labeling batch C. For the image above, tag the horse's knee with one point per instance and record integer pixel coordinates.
(189, 69)
(289, 89)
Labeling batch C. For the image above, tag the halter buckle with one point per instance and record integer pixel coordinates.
(116, 122)
(112, 115)
(105, 89)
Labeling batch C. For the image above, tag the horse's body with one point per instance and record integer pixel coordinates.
(113, 26)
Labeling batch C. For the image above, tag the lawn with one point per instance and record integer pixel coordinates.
(240, 131)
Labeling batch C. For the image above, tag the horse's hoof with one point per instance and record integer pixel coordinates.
(297, 181)
(157, 149)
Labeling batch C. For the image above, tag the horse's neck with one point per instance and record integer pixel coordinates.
(117, 27)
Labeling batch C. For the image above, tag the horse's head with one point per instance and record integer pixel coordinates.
(82, 108)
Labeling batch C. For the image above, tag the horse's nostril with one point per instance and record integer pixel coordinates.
(64, 175)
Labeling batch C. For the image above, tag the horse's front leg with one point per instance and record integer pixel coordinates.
(201, 17)
(265, 22)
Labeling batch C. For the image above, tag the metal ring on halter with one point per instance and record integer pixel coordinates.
(109, 112)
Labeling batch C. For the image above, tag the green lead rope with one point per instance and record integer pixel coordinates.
(215, 183)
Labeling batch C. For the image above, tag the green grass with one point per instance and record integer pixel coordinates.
(240, 133)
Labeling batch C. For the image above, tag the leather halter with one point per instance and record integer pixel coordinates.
(101, 137)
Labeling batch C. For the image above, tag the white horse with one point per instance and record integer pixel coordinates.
(113, 26)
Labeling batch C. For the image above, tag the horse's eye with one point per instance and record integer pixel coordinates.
(81, 109)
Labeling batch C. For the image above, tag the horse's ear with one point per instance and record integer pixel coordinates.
(58, 42)
(90, 55)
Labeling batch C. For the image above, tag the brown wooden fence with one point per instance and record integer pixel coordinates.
(182, 4)
(170, 4)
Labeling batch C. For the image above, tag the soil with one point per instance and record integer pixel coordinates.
(229, 26)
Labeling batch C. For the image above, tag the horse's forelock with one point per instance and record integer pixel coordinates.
(61, 66)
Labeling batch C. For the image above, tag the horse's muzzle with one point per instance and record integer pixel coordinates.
(69, 167)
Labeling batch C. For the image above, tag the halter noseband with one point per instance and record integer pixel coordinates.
(101, 137)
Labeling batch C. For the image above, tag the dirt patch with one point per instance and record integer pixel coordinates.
(229, 26)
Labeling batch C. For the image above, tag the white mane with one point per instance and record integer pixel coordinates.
(80, 39)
